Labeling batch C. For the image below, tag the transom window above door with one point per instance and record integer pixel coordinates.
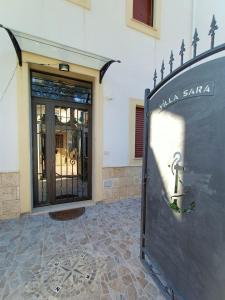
(60, 88)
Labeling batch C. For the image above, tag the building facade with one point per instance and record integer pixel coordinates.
(66, 137)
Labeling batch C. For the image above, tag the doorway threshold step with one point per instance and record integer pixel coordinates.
(62, 207)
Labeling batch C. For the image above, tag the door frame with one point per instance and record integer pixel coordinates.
(47, 65)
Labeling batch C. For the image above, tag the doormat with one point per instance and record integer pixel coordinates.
(67, 214)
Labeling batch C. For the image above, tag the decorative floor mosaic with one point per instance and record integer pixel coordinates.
(95, 257)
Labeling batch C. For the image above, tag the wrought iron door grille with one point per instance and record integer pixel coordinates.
(62, 163)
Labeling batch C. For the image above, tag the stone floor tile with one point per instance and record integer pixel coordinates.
(29, 243)
(7, 255)
(3, 280)
(95, 257)
(35, 221)
(78, 239)
(54, 243)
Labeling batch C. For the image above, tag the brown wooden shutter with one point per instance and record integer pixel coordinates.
(139, 132)
(143, 11)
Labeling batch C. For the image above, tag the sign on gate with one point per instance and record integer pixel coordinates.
(183, 205)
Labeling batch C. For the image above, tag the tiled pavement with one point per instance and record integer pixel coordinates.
(94, 257)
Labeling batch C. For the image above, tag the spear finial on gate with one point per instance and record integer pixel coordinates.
(213, 28)
(171, 61)
(195, 42)
(162, 69)
(154, 78)
(182, 50)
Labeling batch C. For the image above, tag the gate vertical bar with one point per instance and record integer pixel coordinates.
(35, 155)
(89, 189)
(144, 173)
(50, 153)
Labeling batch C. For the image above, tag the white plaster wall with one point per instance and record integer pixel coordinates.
(203, 12)
(101, 30)
(8, 108)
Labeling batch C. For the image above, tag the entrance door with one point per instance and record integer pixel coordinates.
(61, 151)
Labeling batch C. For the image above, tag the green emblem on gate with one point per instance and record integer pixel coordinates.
(176, 170)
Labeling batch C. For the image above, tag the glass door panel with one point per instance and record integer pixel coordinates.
(40, 161)
(61, 154)
(81, 121)
(71, 154)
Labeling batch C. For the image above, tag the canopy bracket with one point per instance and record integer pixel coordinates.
(15, 44)
(105, 68)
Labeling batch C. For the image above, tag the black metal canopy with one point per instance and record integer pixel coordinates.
(26, 42)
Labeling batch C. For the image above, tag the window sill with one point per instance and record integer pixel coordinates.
(136, 162)
(139, 26)
(83, 3)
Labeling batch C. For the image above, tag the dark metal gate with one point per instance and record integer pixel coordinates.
(61, 118)
(183, 207)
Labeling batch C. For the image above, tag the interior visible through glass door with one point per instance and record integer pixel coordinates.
(71, 153)
(40, 162)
